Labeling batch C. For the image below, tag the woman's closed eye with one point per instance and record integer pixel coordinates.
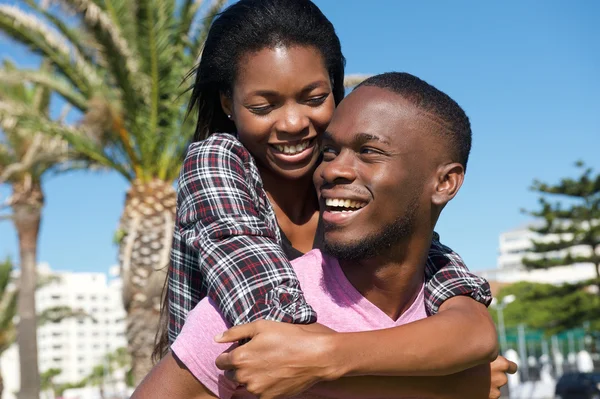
(317, 100)
(260, 109)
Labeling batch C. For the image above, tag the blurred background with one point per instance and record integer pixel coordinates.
(92, 134)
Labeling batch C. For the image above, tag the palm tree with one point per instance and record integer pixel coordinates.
(8, 310)
(122, 69)
(26, 155)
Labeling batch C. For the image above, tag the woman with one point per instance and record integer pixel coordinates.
(272, 71)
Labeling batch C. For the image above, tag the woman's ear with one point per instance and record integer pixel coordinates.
(226, 105)
(450, 178)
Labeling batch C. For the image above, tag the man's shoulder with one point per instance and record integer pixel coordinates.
(310, 261)
(311, 269)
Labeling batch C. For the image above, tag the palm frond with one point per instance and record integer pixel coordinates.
(30, 30)
(74, 36)
(201, 31)
(122, 63)
(53, 141)
(46, 79)
(186, 18)
(8, 306)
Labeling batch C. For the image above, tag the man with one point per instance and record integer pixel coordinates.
(394, 155)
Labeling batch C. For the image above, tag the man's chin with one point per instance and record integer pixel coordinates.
(347, 249)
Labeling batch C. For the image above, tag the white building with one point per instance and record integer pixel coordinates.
(74, 345)
(514, 245)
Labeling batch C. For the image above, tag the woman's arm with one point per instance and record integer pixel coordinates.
(226, 241)
(447, 276)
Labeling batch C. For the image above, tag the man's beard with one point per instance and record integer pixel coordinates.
(376, 243)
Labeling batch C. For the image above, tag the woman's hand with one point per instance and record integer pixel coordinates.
(281, 359)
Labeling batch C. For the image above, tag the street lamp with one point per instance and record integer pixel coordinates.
(500, 305)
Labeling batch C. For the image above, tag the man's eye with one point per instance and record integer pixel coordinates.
(369, 150)
(328, 152)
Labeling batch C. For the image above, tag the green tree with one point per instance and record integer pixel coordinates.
(8, 310)
(551, 308)
(571, 232)
(26, 157)
(47, 379)
(102, 373)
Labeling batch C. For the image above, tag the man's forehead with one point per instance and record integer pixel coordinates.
(381, 112)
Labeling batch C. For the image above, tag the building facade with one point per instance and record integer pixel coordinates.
(514, 245)
(73, 345)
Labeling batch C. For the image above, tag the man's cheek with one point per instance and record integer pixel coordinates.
(317, 179)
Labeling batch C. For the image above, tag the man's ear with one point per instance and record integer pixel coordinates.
(226, 104)
(450, 178)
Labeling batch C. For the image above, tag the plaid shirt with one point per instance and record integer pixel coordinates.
(227, 245)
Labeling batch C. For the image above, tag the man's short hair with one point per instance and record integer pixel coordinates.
(457, 128)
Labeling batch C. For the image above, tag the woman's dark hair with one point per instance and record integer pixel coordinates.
(249, 26)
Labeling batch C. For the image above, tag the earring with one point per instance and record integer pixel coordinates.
(229, 116)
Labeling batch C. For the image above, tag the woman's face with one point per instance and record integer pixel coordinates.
(281, 102)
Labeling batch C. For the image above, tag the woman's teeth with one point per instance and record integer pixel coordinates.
(344, 203)
(292, 149)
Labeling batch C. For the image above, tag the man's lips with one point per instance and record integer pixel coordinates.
(342, 207)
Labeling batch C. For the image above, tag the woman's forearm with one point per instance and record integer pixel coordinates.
(460, 336)
(469, 384)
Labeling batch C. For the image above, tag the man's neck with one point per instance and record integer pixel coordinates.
(391, 281)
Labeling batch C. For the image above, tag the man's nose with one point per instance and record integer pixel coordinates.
(341, 169)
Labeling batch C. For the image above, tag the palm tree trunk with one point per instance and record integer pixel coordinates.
(27, 202)
(147, 231)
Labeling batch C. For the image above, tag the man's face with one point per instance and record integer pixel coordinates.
(377, 175)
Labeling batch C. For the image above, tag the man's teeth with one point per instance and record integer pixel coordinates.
(292, 149)
(344, 203)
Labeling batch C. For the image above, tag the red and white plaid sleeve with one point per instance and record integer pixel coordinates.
(226, 242)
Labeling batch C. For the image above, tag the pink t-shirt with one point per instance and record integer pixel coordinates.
(338, 304)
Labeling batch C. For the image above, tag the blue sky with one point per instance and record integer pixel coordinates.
(527, 73)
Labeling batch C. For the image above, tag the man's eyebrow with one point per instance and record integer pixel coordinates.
(358, 138)
(364, 137)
